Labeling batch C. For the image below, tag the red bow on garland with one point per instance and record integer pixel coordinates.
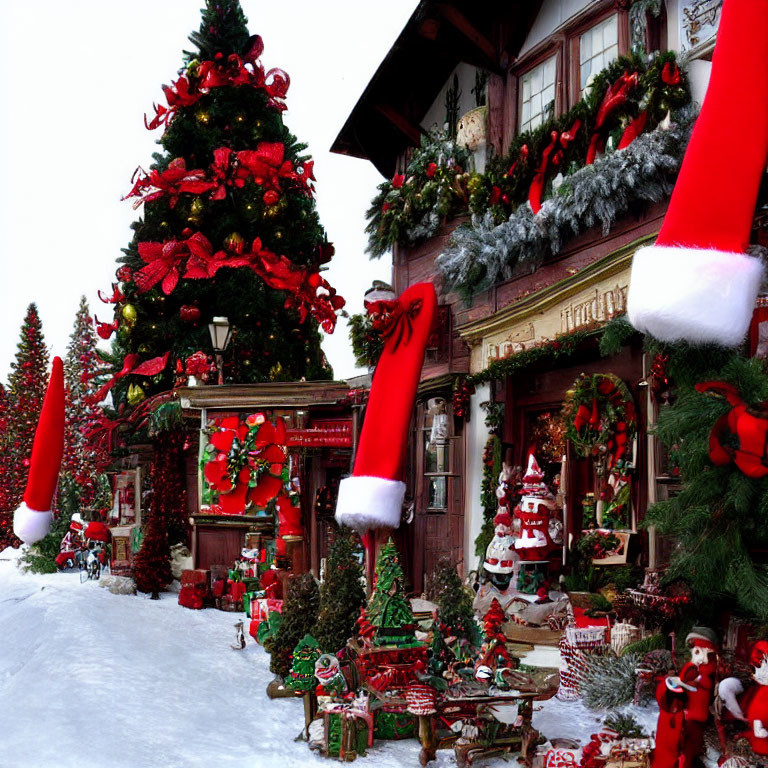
(552, 154)
(741, 435)
(174, 180)
(616, 95)
(130, 368)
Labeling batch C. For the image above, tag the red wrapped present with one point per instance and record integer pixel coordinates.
(191, 596)
(196, 576)
(219, 588)
(236, 590)
(253, 629)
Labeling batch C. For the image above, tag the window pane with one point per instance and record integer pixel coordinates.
(598, 48)
(537, 94)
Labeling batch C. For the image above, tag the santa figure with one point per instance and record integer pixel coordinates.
(534, 512)
(501, 558)
(700, 673)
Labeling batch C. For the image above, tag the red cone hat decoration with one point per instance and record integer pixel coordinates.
(32, 519)
(373, 496)
(697, 283)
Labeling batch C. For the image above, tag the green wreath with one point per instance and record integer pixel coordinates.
(600, 417)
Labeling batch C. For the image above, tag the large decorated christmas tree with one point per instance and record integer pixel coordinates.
(26, 390)
(229, 227)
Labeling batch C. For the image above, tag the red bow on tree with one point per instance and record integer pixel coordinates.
(741, 435)
(172, 182)
(130, 368)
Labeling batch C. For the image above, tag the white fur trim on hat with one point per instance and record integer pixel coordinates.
(31, 525)
(369, 502)
(696, 295)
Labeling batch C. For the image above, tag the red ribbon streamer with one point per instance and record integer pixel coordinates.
(130, 368)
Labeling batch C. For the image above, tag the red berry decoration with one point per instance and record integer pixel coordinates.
(189, 313)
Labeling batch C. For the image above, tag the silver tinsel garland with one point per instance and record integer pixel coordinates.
(482, 253)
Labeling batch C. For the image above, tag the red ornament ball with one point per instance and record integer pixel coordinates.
(271, 197)
(189, 313)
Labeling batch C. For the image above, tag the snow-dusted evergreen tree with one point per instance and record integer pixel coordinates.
(26, 390)
(84, 485)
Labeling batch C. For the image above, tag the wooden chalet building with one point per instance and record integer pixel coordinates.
(539, 56)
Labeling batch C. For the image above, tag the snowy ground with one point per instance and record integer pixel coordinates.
(88, 677)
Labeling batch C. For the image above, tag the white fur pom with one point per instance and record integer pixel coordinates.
(729, 690)
(369, 502)
(31, 525)
(696, 295)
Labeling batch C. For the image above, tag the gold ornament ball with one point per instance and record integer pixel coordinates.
(135, 394)
(144, 349)
(271, 211)
(130, 315)
(203, 117)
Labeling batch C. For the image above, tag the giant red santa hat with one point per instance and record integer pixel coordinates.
(697, 282)
(372, 497)
(32, 519)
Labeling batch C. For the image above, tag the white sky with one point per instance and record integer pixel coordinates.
(76, 78)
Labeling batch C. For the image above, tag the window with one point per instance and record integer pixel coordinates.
(598, 47)
(538, 95)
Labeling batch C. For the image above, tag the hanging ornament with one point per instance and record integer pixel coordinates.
(135, 394)
(235, 243)
(189, 313)
(196, 208)
(202, 117)
(130, 315)
(271, 211)
(271, 197)
(279, 233)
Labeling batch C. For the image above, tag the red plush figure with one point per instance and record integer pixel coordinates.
(534, 512)
(697, 282)
(700, 673)
(671, 694)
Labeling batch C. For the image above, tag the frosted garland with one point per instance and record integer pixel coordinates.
(480, 254)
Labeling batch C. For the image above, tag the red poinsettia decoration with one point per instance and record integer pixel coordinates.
(248, 464)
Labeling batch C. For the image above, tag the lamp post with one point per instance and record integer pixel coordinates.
(221, 333)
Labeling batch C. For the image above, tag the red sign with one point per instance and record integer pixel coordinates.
(332, 434)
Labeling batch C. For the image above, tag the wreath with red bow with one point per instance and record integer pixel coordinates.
(600, 417)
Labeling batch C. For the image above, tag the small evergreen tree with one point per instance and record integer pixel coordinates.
(453, 600)
(305, 654)
(152, 564)
(298, 616)
(389, 610)
(26, 390)
(341, 594)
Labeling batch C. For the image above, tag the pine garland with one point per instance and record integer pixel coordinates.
(608, 682)
(484, 252)
(367, 343)
(411, 207)
(719, 517)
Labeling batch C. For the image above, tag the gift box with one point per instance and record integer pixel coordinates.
(228, 603)
(192, 595)
(219, 588)
(237, 590)
(197, 576)
(253, 629)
